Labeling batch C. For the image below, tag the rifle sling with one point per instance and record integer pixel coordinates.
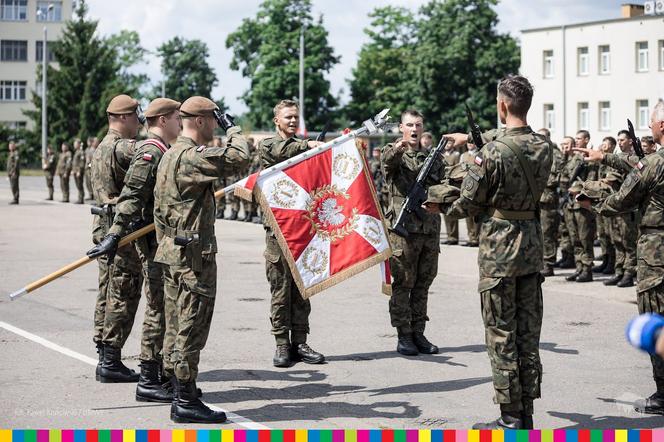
(527, 171)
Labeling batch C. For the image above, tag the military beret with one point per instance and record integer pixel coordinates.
(576, 187)
(122, 104)
(161, 106)
(443, 194)
(595, 190)
(198, 107)
(456, 172)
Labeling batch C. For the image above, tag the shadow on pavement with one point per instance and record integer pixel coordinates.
(372, 356)
(294, 392)
(432, 387)
(261, 375)
(582, 421)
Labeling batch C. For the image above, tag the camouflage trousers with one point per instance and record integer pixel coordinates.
(652, 301)
(451, 228)
(582, 228)
(189, 303)
(289, 312)
(233, 201)
(249, 207)
(64, 186)
(49, 184)
(13, 182)
(152, 337)
(566, 245)
(414, 265)
(550, 220)
(79, 180)
(88, 181)
(473, 229)
(604, 229)
(624, 232)
(512, 312)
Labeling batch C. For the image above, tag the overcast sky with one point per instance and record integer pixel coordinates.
(212, 20)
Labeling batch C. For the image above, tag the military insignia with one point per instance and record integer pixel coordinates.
(640, 165)
(325, 213)
(346, 167)
(200, 148)
(478, 160)
(284, 193)
(315, 261)
(147, 157)
(372, 232)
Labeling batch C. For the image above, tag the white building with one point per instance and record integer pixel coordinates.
(595, 75)
(22, 24)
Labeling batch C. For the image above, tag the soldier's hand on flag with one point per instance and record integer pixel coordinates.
(108, 246)
(457, 139)
(590, 154)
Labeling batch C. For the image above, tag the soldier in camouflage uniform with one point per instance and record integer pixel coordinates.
(414, 261)
(504, 186)
(135, 209)
(648, 144)
(233, 201)
(604, 225)
(289, 312)
(643, 189)
(78, 169)
(219, 184)
(184, 216)
(382, 192)
(63, 169)
(119, 274)
(48, 166)
(473, 228)
(548, 204)
(566, 260)
(251, 207)
(452, 157)
(92, 144)
(13, 171)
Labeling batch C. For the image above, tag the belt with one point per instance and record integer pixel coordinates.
(512, 215)
(651, 230)
(172, 232)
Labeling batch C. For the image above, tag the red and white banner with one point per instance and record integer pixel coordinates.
(326, 217)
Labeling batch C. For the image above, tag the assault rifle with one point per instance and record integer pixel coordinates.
(417, 194)
(475, 131)
(636, 143)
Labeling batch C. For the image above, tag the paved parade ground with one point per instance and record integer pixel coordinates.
(47, 357)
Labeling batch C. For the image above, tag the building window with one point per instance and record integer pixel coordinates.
(642, 56)
(14, 125)
(584, 116)
(548, 64)
(604, 116)
(55, 14)
(13, 90)
(13, 50)
(14, 10)
(661, 55)
(642, 114)
(49, 51)
(549, 117)
(604, 60)
(582, 61)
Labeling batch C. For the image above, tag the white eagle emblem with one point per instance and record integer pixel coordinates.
(329, 213)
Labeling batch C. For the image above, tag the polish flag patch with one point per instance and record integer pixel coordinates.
(478, 161)
(147, 157)
(640, 165)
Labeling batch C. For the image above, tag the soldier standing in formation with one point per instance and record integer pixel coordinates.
(78, 168)
(510, 255)
(89, 153)
(549, 203)
(48, 166)
(184, 219)
(13, 171)
(452, 157)
(119, 273)
(414, 261)
(604, 224)
(251, 207)
(643, 189)
(134, 209)
(289, 313)
(466, 161)
(566, 260)
(63, 170)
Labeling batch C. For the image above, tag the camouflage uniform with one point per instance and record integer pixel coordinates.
(549, 216)
(185, 212)
(510, 258)
(581, 223)
(643, 189)
(63, 170)
(49, 171)
(566, 244)
(135, 208)
(382, 192)
(119, 281)
(89, 152)
(625, 229)
(473, 228)
(452, 157)
(604, 226)
(251, 207)
(78, 169)
(13, 172)
(414, 262)
(289, 311)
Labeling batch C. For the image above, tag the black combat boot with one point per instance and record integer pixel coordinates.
(247, 217)
(220, 214)
(566, 262)
(527, 421)
(187, 408)
(651, 405)
(585, 276)
(406, 346)
(573, 276)
(600, 268)
(302, 352)
(626, 281)
(423, 345)
(547, 271)
(233, 216)
(149, 387)
(615, 280)
(100, 353)
(506, 421)
(113, 370)
(610, 265)
(282, 356)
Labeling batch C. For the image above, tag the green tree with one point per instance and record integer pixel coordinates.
(460, 57)
(129, 52)
(186, 69)
(266, 50)
(380, 79)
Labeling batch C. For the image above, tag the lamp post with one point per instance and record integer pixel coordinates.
(44, 131)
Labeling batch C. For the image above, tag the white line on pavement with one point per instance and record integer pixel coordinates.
(236, 418)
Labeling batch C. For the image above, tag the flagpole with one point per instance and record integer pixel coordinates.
(302, 123)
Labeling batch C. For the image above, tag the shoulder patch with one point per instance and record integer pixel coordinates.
(147, 157)
(640, 165)
(478, 159)
(200, 148)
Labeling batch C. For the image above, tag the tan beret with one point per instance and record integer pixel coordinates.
(443, 194)
(161, 106)
(122, 104)
(198, 107)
